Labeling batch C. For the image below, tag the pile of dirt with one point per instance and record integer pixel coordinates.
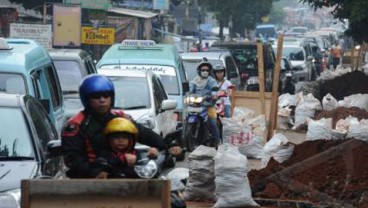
(332, 173)
(348, 84)
(342, 113)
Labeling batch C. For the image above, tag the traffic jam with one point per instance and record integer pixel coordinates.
(183, 103)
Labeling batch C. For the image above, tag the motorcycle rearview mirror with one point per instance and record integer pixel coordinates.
(215, 88)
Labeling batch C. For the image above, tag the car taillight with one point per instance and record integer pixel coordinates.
(245, 76)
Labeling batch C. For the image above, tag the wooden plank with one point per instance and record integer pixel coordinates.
(75, 193)
(250, 100)
(261, 76)
(275, 87)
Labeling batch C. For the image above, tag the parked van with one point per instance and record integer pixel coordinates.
(26, 68)
(145, 55)
(72, 65)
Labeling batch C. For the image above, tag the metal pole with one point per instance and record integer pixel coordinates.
(44, 13)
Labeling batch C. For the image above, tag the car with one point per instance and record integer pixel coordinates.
(145, 55)
(26, 68)
(72, 65)
(30, 147)
(245, 56)
(223, 57)
(143, 96)
(302, 64)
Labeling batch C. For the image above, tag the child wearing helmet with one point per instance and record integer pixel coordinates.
(121, 135)
(224, 85)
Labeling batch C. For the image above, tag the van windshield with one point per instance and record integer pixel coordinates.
(12, 83)
(70, 75)
(190, 67)
(167, 74)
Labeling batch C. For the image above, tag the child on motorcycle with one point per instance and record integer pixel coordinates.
(225, 86)
(120, 134)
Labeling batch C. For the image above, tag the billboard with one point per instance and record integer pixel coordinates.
(100, 36)
(67, 25)
(39, 33)
(91, 4)
(161, 4)
(126, 27)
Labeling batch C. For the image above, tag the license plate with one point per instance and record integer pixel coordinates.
(195, 109)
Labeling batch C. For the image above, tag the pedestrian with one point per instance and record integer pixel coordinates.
(204, 84)
(224, 85)
(83, 138)
(336, 54)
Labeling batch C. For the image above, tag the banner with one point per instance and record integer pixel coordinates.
(67, 25)
(100, 36)
(39, 33)
(91, 4)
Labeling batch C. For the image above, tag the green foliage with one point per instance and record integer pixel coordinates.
(353, 10)
(245, 14)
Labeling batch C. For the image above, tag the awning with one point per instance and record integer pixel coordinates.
(134, 13)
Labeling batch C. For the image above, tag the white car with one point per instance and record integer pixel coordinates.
(142, 95)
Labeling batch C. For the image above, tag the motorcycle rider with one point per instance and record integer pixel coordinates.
(82, 137)
(204, 84)
(224, 85)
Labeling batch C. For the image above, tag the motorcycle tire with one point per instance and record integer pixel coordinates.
(190, 137)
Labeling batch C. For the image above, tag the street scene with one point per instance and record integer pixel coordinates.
(183, 103)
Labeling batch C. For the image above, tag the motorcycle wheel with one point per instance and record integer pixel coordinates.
(190, 139)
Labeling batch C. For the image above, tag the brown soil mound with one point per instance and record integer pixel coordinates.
(348, 84)
(327, 172)
(342, 113)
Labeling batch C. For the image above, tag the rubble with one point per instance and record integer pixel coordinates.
(332, 173)
(342, 113)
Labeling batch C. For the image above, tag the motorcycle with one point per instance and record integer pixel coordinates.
(197, 128)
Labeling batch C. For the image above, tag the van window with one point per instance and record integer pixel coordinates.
(37, 86)
(230, 67)
(69, 74)
(12, 83)
(158, 94)
(54, 87)
(266, 32)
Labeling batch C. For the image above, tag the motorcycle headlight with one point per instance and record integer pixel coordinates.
(147, 121)
(198, 100)
(10, 199)
(192, 99)
(147, 170)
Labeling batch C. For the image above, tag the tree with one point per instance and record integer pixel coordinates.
(355, 11)
(244, 14)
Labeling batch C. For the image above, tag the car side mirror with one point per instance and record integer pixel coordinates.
(310, 58)
(168, 104)
(45, 104)
(54, 148)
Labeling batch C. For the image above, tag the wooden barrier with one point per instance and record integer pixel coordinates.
(81, 193)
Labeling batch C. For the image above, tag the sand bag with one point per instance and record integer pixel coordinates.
(254, 148)
(306, 109)
(200, 185)
(329, 102)
(319, 129)
(232, 184)
(279, 148)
